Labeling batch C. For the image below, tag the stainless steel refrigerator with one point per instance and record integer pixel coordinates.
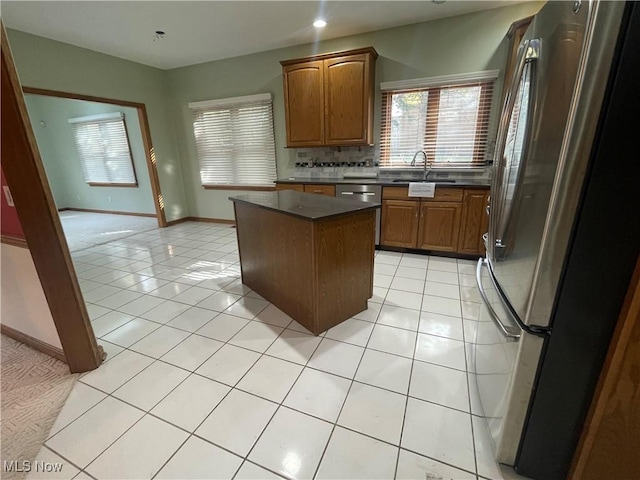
(563, 230)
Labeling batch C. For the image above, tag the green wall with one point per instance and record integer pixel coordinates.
(44, 63)
(54, 135)
(461, 44)
(447, 46)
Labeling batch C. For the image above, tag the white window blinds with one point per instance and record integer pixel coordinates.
(447, 117)
(103, 147)
(235, 142)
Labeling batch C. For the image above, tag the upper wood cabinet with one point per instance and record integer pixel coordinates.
(329, 99)
(304, 103)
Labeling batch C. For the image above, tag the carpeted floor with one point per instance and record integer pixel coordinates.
(34, 389)
(83, 229)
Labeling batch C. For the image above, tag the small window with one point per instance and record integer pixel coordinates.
(235, 142)
(103, 147)
(449, 122)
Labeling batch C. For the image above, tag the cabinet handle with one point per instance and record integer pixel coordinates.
(317, 191)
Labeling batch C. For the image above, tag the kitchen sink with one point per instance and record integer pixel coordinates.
(410, 180)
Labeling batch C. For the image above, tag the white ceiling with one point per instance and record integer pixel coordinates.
(201, 31)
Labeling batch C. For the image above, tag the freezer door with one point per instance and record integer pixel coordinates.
(504, 360)
(495, 347)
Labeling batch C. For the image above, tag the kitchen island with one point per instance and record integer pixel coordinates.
(309, 255)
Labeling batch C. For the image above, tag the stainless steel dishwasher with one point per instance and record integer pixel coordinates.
(363, 193)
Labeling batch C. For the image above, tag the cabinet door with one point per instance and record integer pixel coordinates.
(329, 190)
(439, 226)
(304, 103)
(474, 222)
(399, 223)
(298, 187)
(348, 97)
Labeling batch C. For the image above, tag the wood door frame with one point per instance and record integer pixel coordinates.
(43, 232)
(143, 120)
(613, 397)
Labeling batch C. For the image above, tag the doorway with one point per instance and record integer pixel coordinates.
(96, 163)
(144, 199)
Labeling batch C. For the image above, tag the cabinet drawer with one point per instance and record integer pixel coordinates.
(329, 190)
(442, 194)
(298, 187)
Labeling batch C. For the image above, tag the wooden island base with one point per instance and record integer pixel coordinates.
(317, 269)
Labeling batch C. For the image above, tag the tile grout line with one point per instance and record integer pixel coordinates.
(118, 437)
(335, 423)
(280, 404)
(406, 404)
(145, 412)
(305, 366)
(466, 362)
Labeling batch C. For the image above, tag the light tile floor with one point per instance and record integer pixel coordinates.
(205, 379)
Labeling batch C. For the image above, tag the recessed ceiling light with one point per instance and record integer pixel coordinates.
(319, 23)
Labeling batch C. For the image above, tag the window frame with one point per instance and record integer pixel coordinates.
(235, 103)
(117, 117)
(434, 86)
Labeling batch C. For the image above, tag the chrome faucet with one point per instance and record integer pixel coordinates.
(413, 162)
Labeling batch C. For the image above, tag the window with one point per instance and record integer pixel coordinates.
(103, 147)
(235, 142)
(446, 117)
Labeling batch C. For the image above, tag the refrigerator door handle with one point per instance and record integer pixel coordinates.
(505, 119)
(509, 332)
(530, 52)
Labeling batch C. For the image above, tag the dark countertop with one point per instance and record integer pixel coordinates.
(308, 206)
(385, 182)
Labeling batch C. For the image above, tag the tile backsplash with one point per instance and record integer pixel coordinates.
(334, 162)
(336, 157)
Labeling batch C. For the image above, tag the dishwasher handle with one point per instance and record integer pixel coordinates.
(366, 194)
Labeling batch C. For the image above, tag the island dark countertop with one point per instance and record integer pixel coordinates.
(304, 205)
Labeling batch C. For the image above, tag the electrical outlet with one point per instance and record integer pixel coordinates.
(109, 198)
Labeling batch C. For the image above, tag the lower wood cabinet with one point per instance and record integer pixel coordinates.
(400, 223)
(475, 222)
(298, 187)
(453, 221)
(439, 226)
(320, 189)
